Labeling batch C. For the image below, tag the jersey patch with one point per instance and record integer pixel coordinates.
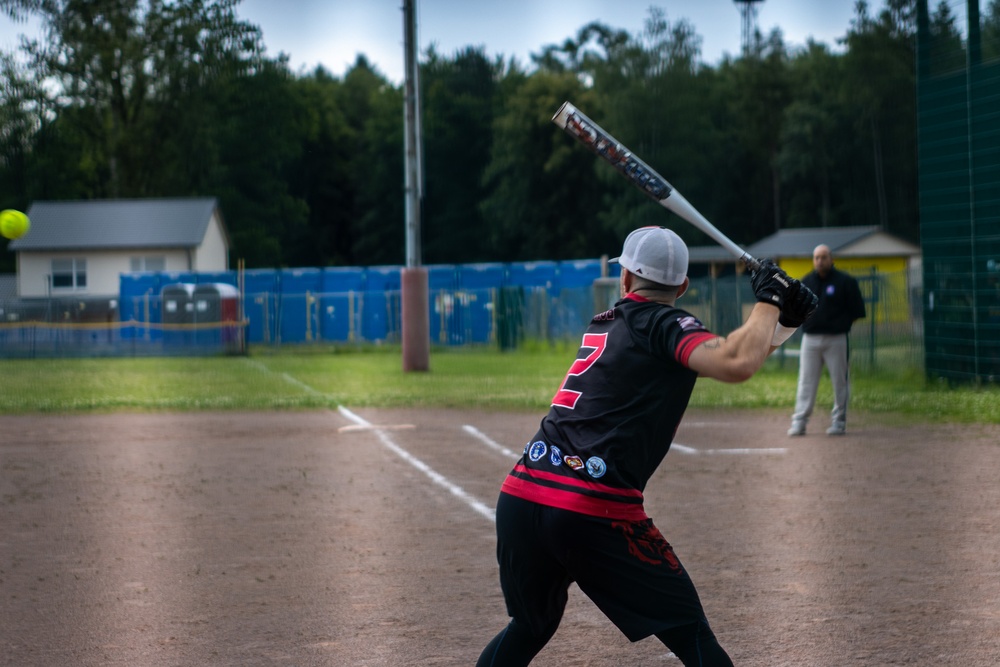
(596, 467)
(691, 323)
(537, 450)
(555, 456)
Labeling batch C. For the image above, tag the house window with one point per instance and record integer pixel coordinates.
(69, 274)
(149, 263)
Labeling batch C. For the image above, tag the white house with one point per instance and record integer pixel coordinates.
(80, 248)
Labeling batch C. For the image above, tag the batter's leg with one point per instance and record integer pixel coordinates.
(515, 646)
(695, 646)
(534, 584)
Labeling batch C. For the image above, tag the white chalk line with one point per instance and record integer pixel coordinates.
(684, 449)
(380, 432)
(489, 442)
(374, 427)
(432, 474)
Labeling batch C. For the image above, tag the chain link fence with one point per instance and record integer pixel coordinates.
(508, 317)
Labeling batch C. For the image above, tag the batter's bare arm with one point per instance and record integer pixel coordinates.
(736, 357)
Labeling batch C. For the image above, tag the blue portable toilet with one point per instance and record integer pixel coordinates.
(139, 302)
(340, 302)
(380, 308)
(214, 277)
(475, 301)
(442, 276)
(298, 306)
(575, 302)
(577, 273)
(260, 305)
(442, 283)
(174, 277)
(534, 274)
(539, 289)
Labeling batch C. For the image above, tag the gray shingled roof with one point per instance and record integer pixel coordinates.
(801, 242)
(117, 223)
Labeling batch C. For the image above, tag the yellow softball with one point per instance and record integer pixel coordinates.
(14, 224)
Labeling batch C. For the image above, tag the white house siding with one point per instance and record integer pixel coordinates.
(879, 244)
(212, 254)
(104, 269)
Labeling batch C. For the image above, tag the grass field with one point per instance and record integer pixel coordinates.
(466, 378)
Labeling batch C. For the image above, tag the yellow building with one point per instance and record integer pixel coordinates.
(887, 267)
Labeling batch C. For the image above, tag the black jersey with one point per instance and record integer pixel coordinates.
(615, 414)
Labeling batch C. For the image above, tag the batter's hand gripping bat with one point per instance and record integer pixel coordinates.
(644, 177)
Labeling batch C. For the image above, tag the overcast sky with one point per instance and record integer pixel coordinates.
(334, 32)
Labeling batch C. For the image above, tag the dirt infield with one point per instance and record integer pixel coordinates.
(325, 538)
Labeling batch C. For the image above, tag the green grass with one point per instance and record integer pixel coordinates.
(461, 378)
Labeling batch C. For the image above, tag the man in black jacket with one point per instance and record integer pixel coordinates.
(824, 341)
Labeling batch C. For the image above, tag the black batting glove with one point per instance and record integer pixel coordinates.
(800, 304)
(770, 284)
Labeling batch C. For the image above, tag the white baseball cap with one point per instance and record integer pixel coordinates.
(655, 253)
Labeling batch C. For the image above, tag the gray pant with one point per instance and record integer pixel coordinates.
(818, 350)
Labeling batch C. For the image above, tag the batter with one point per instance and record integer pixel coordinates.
(571, 510)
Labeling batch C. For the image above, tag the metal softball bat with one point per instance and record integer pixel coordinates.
(644, 177)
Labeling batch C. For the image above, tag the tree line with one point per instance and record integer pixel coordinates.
(150, 98)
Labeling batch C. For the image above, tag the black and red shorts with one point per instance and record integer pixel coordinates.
(626, 567)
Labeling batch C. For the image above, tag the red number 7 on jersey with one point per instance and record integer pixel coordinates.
(567, 398)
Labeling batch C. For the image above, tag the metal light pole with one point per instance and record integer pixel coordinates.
(414, 282)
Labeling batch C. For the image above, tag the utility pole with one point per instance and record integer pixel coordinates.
(414, 282)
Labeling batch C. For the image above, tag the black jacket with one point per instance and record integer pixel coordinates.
(840, 303)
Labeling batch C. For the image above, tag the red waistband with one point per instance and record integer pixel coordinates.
(572, 501)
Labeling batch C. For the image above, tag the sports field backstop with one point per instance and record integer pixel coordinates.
(958, 105)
